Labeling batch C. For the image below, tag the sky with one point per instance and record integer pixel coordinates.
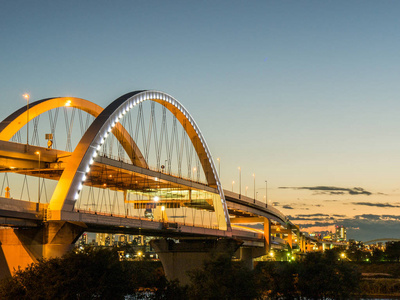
(304, 94)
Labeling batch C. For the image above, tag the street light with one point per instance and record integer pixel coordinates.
(240, 181)
(266, 188)
(254, 176)
(38, 153)
(26, 96)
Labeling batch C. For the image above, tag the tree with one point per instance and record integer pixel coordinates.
(85, 275)
(220, 278)
(393, 251)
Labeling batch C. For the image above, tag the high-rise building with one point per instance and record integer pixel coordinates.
(341, 233)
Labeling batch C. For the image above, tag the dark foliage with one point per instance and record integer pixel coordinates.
(220, 278)
(318, 276)
(85, 275)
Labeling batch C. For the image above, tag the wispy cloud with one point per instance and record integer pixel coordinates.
(332, 190)
(375, 204)
(361, 227)
(287, 207)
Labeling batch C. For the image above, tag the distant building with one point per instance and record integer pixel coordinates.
(341, 233)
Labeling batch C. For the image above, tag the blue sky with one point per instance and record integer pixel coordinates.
(301, 93)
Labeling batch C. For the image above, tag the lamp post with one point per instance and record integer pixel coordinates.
(26, 96)
(266, 188)
(254, 176)
(38, 153)
(240, 182)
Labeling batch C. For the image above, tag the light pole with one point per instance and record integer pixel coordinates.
(26, 96)
(38, 153)
(266, 188)
(254, 176)
(246, 189)
(240, 182)
(233, 182)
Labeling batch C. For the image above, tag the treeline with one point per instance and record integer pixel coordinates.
(98, 274)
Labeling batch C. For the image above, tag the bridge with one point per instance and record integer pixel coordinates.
(139, 166)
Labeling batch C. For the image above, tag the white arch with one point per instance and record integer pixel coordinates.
(70, 183)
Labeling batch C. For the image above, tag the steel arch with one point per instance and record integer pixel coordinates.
(71, 181)
(14, 122)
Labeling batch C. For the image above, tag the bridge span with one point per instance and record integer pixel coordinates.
(139, 166)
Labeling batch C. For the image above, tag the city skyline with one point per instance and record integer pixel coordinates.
(302, 95)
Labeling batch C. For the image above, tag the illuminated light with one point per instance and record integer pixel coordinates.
(271, 254)
(68, 103)
(91, 161)
(12, 168)
(84, 178)
(37, 153)
(98, 147)
(87, 169)
(80, 187)
(163, 208)
(26, 96)
(102, 141)
(139, 253)
(342, 255)
(95, 154)
(104, 184)
(113, 124)
(156, 198)
(76, 196)
(110, 176)
(155, 178)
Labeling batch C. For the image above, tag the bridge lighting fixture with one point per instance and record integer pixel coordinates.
(91, 161)
(84, 178)
(155, 178)
(68, 103)
(163, 208)
(156, 198)
(95, 154)
(87, 169)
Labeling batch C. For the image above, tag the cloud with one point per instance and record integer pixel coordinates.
(311, 217)
(287, 207)
(332, 190)
(363, 227)
(375, 204)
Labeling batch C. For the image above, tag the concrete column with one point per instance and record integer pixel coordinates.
(290, 236)
(179, 258)
(267, 235)
(21, 247)
(246, 256)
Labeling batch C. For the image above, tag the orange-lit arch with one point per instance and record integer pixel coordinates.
(13, 123)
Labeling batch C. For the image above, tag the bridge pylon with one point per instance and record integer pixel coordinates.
(21, 247)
